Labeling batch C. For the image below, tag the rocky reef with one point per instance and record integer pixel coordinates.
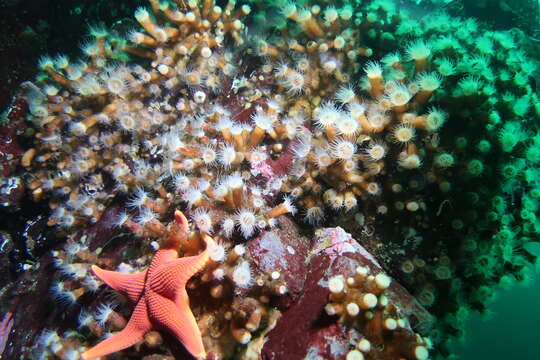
(367, 174)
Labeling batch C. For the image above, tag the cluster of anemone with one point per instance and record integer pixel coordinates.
(198, 130)
(489, 161)
(351, 114)
(243, 294)
(361, 302)
(461, 201)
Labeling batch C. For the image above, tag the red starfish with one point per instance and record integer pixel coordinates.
(160, 297)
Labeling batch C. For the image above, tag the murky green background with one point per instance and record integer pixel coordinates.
(511, 331)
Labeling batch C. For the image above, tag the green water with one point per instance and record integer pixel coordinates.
(510, 331)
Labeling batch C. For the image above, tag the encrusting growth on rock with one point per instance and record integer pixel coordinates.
(357, 119)
(361, 303)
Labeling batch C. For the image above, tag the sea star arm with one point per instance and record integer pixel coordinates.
(184, 268)
(138, 325)
(181, 270)
(177, 318)
(189, 266)
(130, 285)
(168, 276)
(181, 220)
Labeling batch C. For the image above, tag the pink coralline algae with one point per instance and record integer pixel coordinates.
(283, 251)
(5, 329)
(333, 253)
(336, 242)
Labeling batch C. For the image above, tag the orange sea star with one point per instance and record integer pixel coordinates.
(160, 297)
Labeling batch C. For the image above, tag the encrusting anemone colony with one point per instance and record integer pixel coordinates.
(418, 136)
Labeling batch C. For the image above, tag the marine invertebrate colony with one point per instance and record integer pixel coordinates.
(252, 128)
(335, 119)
